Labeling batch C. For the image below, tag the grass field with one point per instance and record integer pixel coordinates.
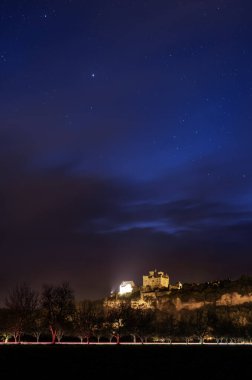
(119, 361)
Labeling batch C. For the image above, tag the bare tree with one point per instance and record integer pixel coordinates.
(139, 323)
(38, 324)
(22, 302)
(200, 323)
(87, 319)
(5, 326)
(58, 304)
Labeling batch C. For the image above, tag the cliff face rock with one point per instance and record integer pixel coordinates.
(190, 305)
(227, 299)
(234, 299)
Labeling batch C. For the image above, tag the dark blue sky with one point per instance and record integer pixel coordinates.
(125, 141)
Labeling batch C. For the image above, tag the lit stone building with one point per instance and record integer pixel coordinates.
(178, 285)
(126, 287)
(155, 280)
(153, 294)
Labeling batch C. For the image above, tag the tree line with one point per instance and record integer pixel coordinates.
(54, 313)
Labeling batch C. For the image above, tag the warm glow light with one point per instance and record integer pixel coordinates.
(126, 287)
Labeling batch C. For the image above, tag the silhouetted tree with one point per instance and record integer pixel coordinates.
(199, 323)
(5, 325)
(59, 308)
(38, 324)
(22, 302)
(165, 325)
(116, 321)
(86, 319)
(139, 323)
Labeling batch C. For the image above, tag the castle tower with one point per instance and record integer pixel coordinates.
(155, 280)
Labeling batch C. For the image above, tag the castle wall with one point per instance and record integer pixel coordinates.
(155, 280)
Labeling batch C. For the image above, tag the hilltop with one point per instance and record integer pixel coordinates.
(186, 296)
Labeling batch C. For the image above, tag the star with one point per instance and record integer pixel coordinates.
(93, 75)
(3, 58)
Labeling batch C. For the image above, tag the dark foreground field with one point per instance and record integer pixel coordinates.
(85, 362)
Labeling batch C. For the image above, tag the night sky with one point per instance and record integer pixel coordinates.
(125, 141)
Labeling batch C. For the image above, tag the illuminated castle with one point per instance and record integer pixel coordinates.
(156, 285)
(155, 280)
